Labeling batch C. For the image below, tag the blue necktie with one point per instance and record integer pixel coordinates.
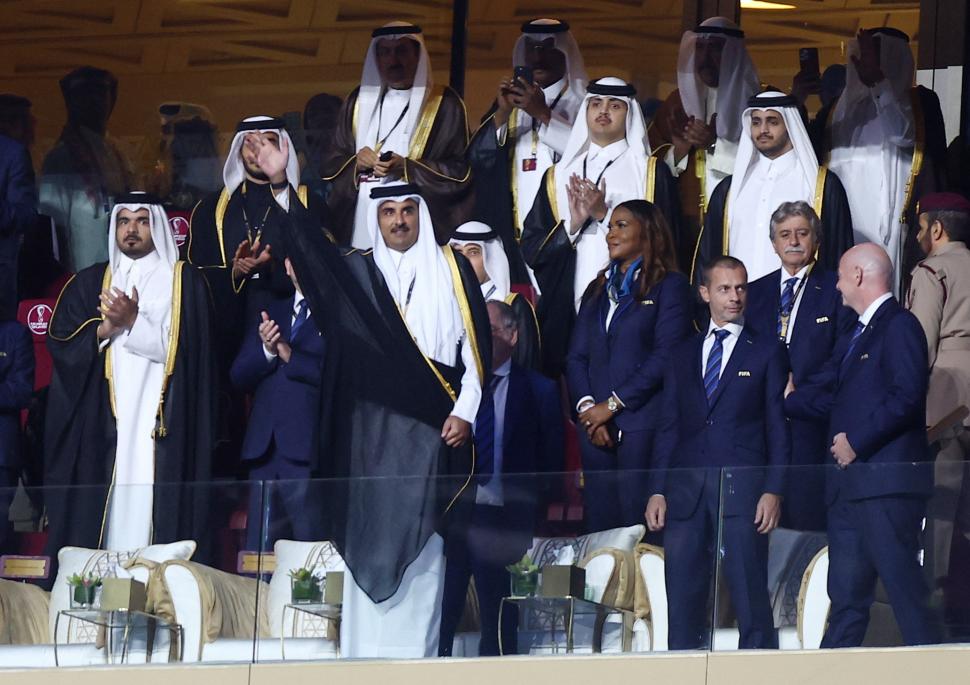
(713, 371)
(301, 317)
(485, 433)
(787, 301)
(847, 357)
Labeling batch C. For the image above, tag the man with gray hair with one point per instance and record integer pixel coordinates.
(872, 392)
(800, 304)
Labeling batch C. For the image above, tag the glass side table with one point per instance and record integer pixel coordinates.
(559, 614)
(311, 620)
(118, 631)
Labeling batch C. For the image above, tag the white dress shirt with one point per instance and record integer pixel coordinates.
(727, 346)
(872, 308)
(491, 492)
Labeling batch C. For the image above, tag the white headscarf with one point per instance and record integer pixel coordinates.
(564, 42)
(162, 237)
(578, 144)
(431, 310)
(748, 154)
(738, 78)
(234, 172)
(371, 84)
(874, 164)
(493, 251)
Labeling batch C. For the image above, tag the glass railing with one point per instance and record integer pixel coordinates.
(410, 567)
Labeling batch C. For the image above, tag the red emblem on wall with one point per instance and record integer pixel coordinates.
(38, 318)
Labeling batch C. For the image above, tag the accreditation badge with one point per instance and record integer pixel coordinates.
(529, 164)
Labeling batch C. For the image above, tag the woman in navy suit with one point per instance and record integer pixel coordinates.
(631, 318)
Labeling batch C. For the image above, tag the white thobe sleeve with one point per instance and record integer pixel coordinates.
(722, 161)
(676, 168)
(466, 406)
(502, 132)
(148, 337)
(555, 134)
(897, 126)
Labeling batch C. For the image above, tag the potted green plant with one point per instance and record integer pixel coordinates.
(525, 577)
(84, 588)
(305, 586)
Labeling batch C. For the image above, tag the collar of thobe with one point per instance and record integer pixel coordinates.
(800, 275)
(778, 166)
(871, 310)
(732, 328)
(554, 91)
(132, 268)
(397, 94)
(611, 151)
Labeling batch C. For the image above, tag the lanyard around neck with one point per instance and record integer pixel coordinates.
(785, 317)
(600, 177)
(536, 125)
(380, 116)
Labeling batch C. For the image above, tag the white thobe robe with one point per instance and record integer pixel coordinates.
(138, 371)
(398, 141)
(552, 138)
(768, 184)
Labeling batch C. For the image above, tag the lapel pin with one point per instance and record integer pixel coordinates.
(822, 319)
(646, 302)
(745, 374)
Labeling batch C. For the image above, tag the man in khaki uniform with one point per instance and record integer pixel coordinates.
(939, 296)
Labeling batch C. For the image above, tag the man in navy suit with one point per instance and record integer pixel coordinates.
(723, 424)
(518, 431)
(873, 393)
(16, 386)
(18, 211)
(801, 305)
(280, 362)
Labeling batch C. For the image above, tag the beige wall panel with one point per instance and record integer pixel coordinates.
(121, 675)
(898, 666)
(688, 669)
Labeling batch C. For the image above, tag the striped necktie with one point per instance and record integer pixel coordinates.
(847, 357)
(301, 317)
(713, 371)
(787, 301)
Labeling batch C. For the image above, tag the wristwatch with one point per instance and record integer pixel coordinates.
(612, 404)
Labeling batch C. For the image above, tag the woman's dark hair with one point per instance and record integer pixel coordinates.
(658, 248)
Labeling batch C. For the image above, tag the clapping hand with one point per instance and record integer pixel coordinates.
(699, 134)
(269, 333)
(586, 200)
(119, 311)
(250, 258)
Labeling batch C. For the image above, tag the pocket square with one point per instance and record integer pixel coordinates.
(822, 319)
(746, 374)
(646, 302)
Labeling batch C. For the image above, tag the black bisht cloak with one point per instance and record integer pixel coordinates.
(384, 406)
(80, 432)
(494, 202)
(548, 250)
(438, 165)
(836, 226)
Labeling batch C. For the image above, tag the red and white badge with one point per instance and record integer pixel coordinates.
(180, 229)
(38, 318)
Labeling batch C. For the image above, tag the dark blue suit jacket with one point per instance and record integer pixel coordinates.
(820, 320)
(286, 397)
(631, 357)
(532, 443)
(879, 402)
(16, 386)
(18, 198)
(743, 425)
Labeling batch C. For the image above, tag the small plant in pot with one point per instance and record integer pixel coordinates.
(84, 588)
(305, 586)
(525, 577)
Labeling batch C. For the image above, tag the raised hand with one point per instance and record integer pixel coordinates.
(272, 160)
(699, 134)
(578, 209)
(250, 259)
(269, 333)
(530, 99)
(119, 311)
(392, 168)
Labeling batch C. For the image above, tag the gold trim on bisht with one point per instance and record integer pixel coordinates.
(466, 311)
